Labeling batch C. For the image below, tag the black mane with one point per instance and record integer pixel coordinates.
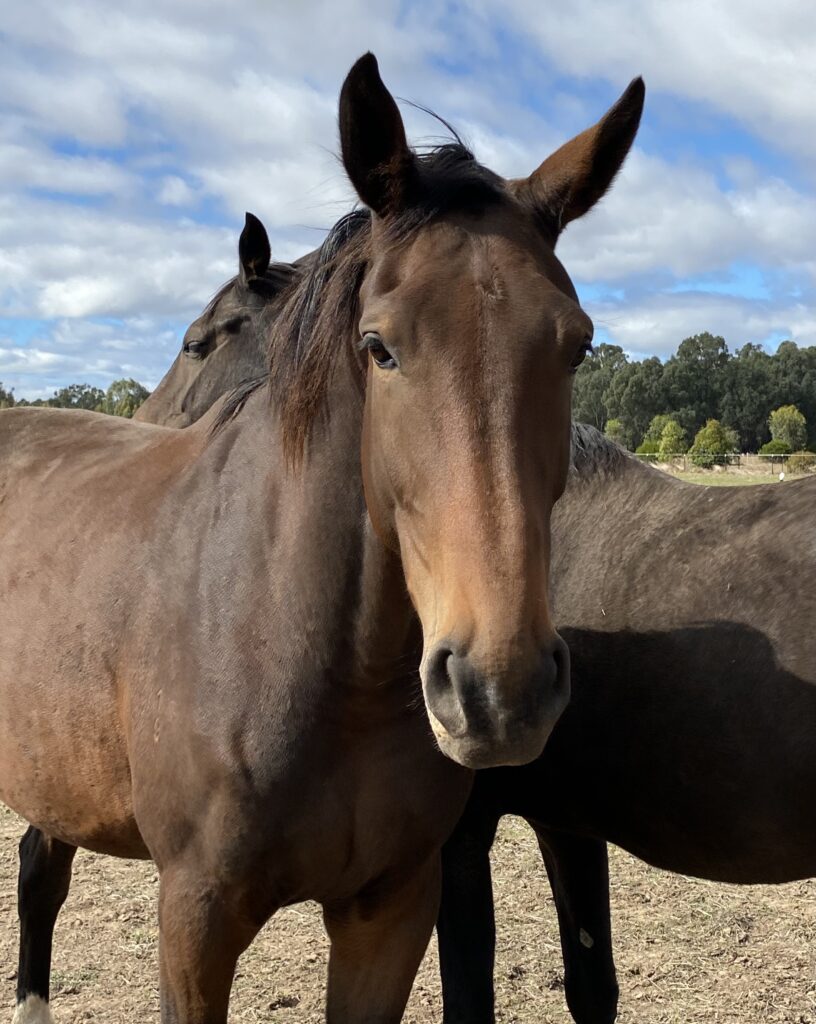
(593, 452)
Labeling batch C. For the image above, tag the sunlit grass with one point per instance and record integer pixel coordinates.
(711, 478)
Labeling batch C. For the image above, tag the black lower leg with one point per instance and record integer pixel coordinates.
(579, 876)
(466, 927)
(45, 875)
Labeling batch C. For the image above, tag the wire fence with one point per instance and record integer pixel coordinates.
(796, 462)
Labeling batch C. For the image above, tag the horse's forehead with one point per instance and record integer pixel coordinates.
(473, 261)
(230, 296)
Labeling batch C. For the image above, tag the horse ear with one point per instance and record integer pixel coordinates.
(578, 174)
(376, 155)
(254, 252)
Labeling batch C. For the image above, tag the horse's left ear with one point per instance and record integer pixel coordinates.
(376, 155)
(254, 252)
(575, 177)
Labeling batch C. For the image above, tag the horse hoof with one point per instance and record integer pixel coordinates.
(33, 1010)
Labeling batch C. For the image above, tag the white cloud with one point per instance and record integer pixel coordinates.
(33, 166)
(656, 325)
(88, 352)
(61, 260)
(752, 60)
(204, 110)
(175, 191)
(676, 217)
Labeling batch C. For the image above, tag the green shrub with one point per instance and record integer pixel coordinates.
(616, 432)
(712, 445)
(789, 425)
(801, 462)
(648, 451)
(655, 429)
(672, 440)
(775, 447)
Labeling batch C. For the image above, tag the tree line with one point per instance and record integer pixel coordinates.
(702, 387)
(122, 398)
(703, 397)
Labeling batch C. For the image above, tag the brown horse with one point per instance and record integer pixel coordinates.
(221, 348)
(216, 641)
(225, 345)
(690, 738)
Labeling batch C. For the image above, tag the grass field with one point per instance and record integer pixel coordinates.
(730, 479)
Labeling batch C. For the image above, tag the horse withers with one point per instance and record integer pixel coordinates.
(690, 738)
(217, 642)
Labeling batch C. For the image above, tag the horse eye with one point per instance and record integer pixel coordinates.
(581, 354)
(379, 353)
(196, 349)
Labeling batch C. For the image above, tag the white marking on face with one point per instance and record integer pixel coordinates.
(586, 939)
(33, 1010)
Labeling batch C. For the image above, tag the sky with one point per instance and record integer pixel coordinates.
(133, 136)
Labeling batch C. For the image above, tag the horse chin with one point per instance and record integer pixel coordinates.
(477, 752)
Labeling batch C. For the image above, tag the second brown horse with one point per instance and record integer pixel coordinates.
(690, 738)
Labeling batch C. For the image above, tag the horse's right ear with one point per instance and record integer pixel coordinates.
(254, 251)
(378, 161)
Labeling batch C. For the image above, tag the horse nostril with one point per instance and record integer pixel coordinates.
(440, 691)
(561, 664)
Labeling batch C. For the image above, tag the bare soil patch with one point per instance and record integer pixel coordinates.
(688, 952)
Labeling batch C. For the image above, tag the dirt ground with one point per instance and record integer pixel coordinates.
(688, 952)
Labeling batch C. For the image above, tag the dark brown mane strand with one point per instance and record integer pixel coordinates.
(236, 400)
(291, 330)
(305, 338)
(593, 452)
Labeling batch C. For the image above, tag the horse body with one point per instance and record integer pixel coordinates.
(690, 737)
(217, 642)
(169, 719)
(184, 663)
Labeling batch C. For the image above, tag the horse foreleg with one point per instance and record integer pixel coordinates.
(466, 929)
(579, 875)
(203, 929)
(44, 880)
(378, 940)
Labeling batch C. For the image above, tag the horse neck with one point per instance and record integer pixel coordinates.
(622, 473)
(387, 639)
(317, 511)
(384, 628)
(606, 501)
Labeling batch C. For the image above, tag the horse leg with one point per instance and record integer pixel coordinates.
(378, 939)
(44, 879)
(203, 929)
(578, 869)
(466, 927)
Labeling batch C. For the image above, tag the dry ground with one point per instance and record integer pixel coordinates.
(688, 952)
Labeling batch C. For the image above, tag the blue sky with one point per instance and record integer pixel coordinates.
(134, 136)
